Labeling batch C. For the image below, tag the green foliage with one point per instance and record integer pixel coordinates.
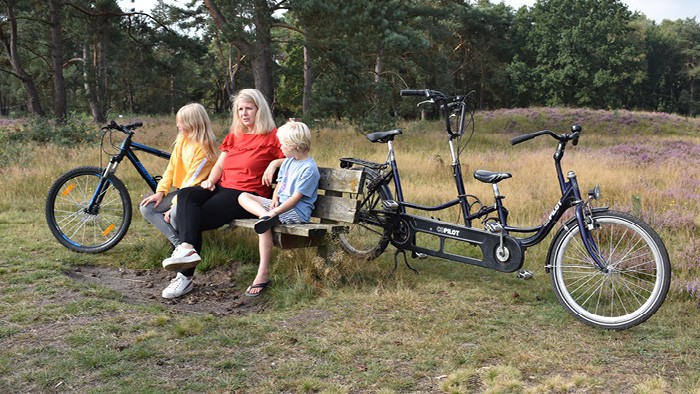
(592, 53)
(581, 53)
(76, 129)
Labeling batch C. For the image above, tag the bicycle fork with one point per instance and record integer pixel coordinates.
(586, 223)
(94, 207)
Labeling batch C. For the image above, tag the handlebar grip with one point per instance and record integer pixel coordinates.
(415, 92)
(523, 138)
(134, 125)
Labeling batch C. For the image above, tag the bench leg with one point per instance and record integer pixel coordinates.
(326, 250)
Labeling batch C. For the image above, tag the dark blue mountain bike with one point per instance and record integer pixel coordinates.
(608, 268)
(88, 209)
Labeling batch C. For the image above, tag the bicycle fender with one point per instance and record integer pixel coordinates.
(564, 227)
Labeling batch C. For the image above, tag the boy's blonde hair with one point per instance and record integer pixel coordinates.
(295, 134)
(195, 119)
(264, 122)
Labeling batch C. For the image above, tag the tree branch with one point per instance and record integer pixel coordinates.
(289, 27)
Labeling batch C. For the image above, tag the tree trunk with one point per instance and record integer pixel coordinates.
(308, 81)
(87, 77)
(172, 94)
(101, 66)
(262, 58)
(11, 45)
(60, 104)
(379, 105)
(259, 51)
(95, 81)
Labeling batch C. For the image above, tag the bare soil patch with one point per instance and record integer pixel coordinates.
(216, 292)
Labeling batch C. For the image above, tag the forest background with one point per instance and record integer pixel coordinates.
(78, 60)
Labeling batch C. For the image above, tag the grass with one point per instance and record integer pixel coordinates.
(353, 327)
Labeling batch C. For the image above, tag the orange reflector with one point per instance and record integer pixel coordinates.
(68, 189)
(108, 230)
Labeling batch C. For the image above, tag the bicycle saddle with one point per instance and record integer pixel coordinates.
(383, 136)
(491, 177)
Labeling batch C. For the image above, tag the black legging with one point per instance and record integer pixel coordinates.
(199, 210)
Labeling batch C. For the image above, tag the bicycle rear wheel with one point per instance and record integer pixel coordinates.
(68, 217)
(637, 278)
(369, 237)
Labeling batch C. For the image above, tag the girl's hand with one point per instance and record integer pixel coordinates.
(158, 197)
(166, 215)
(208, 185)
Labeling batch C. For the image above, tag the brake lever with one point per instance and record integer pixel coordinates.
(431, 101)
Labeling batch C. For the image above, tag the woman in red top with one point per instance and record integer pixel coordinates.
(250, 155)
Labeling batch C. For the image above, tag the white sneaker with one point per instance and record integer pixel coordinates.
(182, 258)
(179, 286)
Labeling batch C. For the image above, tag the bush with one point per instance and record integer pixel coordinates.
(75, 130)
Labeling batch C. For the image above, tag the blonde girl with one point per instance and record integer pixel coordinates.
(194, 154)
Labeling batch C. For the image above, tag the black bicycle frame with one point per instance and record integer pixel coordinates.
(126, 149)
(571, 197)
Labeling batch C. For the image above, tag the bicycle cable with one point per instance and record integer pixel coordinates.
(470, 102)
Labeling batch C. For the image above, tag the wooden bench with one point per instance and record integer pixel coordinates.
(333, 213)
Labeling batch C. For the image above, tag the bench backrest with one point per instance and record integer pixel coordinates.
(333, 203)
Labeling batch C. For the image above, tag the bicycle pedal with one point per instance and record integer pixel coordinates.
(418, 255)
(493, 227)
(525, 274)
(390, 205)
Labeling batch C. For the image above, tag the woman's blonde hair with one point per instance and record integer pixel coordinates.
(264, 123)
(295, 134)
(195, 121)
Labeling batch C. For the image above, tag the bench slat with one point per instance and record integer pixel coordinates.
(336, 208)
(340, 180)
(305, 230)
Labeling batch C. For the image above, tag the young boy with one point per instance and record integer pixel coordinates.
(293, 198)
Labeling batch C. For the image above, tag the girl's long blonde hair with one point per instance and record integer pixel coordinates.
(264, 123)
(194, 118)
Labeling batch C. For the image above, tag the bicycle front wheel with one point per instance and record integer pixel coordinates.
(635, 283)
(369, 237)
(71, 222)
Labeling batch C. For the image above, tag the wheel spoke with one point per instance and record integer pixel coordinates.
(630, 290)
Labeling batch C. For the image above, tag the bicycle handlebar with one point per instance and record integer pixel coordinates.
(573, 136)
(123, 128)
(432, 94)
(448, 106)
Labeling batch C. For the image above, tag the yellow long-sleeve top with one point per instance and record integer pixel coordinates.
(188, 166)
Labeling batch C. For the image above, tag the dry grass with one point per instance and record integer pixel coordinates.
(353, 328)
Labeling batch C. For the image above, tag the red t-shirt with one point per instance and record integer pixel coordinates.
(247, 157)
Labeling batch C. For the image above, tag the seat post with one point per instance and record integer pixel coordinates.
(496, 191)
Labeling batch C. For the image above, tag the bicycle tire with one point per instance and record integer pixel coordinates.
(77, 229)
(637, 281)
(368, 238)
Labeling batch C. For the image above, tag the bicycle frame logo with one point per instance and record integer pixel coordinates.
(448, 231)
(554, 212)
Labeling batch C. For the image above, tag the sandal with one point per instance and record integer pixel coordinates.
(261, 286)
(265, 223)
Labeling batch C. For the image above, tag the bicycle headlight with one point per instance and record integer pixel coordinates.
(595, 193)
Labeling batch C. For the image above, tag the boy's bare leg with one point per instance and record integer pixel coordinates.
(252, 204)
(265, 249)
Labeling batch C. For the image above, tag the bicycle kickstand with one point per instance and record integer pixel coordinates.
(405, 260)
